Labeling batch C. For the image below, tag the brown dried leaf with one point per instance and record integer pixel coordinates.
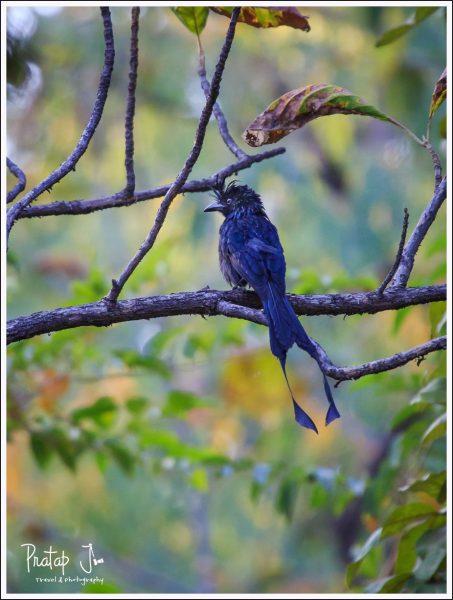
(302, 105)
(267, 17)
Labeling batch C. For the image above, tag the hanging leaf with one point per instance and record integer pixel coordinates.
(102, 412)
(193, 17)
(42, 448)
(180, 402)
(435, 431)
(406, 515)
(415, 19)
(302, 105)
(439, 94)
(267, 17)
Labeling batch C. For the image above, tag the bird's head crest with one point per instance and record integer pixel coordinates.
(234, 197)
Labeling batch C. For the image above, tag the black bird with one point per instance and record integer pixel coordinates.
(250, 253)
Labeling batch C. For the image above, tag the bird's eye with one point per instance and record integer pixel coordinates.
(228, 200)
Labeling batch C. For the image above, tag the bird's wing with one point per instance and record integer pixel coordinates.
(258, 257)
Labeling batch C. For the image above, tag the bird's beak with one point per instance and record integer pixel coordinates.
(214, 206)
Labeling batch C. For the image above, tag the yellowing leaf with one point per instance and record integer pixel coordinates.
(267, 17)
(302, 105)
(439, 93)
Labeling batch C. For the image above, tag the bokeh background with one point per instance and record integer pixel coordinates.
(190, 474)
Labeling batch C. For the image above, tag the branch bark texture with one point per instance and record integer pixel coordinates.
(235, 303)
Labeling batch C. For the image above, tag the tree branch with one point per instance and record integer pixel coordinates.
(436, 163)
(382, 364)
(118, 284)
(399, 254)
(218, 113)
(20, 185)
(84, 207)
(235, 303)
(404, 269)
(130, 110)
(69, 164)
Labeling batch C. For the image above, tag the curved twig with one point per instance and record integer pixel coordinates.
(217, 111)
(399, 255)
(20, 185)
(118, 284)
(382, 364)
(238, 304)
(404, 270)
(69, 164)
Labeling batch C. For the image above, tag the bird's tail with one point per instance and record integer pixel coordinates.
(285, 329)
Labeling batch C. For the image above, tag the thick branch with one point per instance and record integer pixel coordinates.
(20, 185)
(404, 270)
(235, 303)
(84, 207)
(69, 164)
(130, 110)
(218, 113)
(382, 364)
(117, 285)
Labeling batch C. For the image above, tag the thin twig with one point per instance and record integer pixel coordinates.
(238, 304)
(70, 163)
(118, 284)
(436, 163)
(217, 111)
(20, 185)
(382, 364)
(404, 269)
(130, 110)
(399, 254)
(84, 207)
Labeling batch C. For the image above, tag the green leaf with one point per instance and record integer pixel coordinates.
(439, 94)
(65, 447)
(435, 431)
(264, 18)
(432, 484)
(131, 358)
(409, 412)
(137, 404)
(95, 287)
(199, 479)
(406, 557)
(179, 402)
(124, 458)
(41, 448)
(298, 107)
(285, 501)
(173, 446)
(400, 317)
(388, 585)
(415, 19)
(406, 515)
(430, 564)
(193, 17)
(106, 587)
(102, 412)
(360, 555)
(159, 341)
(102, 460)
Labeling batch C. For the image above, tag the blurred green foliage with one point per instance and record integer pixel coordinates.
(170, 444)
